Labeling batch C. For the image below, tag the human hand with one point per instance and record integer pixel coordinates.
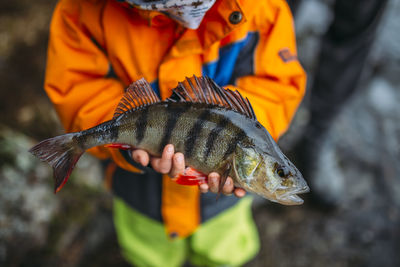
(172, 163)
(227, 189)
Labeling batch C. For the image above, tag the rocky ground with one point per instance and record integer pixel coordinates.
(358, 163)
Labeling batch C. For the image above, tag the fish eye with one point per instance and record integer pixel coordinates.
(282, 172)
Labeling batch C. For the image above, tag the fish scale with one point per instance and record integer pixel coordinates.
(215, 129)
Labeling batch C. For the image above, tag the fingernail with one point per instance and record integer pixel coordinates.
(179, 159)
(170, 149)
(203, 187)
(241, 194)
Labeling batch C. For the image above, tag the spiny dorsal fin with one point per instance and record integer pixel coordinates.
(138, 94)
(205, 90)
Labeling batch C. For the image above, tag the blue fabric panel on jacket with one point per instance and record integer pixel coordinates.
(235, 60)
(155, 87)
(111, 73)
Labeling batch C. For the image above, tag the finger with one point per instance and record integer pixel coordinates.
(178, 165)
(228, 187)
(239, 192)
(203, 188)
(163, 164)
(213, 182)
(140, 156)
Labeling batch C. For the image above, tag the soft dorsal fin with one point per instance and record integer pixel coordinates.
(138, 94)
(205, 90)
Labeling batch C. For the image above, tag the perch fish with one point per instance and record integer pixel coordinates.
(215, 128)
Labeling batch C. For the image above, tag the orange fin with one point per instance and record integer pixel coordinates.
(191, 176)
(119, 146)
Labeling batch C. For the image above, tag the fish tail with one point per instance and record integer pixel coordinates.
(61, 152)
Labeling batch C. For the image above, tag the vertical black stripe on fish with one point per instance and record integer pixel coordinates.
(214, 135)
(141, 124)
(173, 114)
(113, 132)
(194, 133)
(239, 136)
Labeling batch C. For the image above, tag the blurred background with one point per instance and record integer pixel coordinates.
(352, 218)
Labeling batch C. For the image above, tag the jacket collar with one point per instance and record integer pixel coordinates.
(216, 24)
(218, 18)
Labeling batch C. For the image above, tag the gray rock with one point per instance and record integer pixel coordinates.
(28, 205)
(26, 199)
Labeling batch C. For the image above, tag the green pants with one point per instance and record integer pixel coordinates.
(229, 239)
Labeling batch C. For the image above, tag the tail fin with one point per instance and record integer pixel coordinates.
(62, 153)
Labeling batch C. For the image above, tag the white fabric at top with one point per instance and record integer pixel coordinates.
(188, 13)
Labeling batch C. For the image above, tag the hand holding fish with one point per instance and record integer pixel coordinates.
(214, 130)
(173, 164)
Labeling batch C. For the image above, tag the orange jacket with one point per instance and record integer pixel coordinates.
(97, 48)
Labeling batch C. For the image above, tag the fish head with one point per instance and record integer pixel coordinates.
(274, 178)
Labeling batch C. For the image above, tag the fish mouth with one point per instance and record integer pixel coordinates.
(291, 197)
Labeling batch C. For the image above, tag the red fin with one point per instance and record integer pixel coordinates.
(61, 153)
(67, 175)
(191, 177)
(119, 146)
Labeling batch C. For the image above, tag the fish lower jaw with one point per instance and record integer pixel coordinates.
(290, 200)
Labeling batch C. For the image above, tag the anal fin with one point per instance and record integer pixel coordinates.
(119, 146)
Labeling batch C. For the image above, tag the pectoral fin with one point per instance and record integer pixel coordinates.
(191, 176)
(223, 177)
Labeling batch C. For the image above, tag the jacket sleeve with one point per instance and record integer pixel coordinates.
(76, 74)
(278, 85)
